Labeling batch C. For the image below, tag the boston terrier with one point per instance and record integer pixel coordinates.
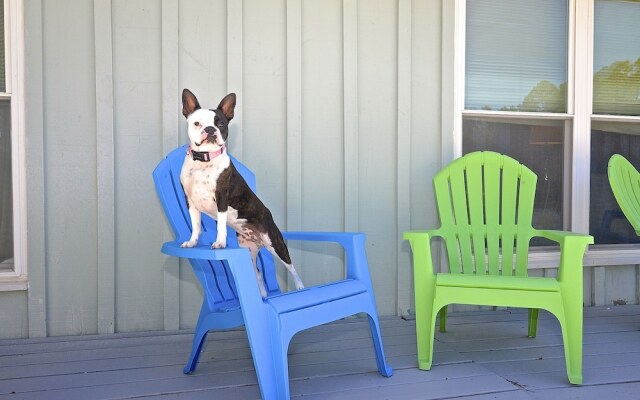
(213, 186)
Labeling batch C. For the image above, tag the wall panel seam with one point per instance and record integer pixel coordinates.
(35, 130)
(105, 166)
(235, 73)
(171, 118)
(350, 115)
(403, 181)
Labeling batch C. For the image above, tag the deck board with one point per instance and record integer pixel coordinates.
(483, 355)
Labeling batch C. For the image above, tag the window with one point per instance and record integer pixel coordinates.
(556, 85)
(615, 125)
(515, 97)
(12, 254)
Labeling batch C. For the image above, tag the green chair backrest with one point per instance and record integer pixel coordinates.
(485, 203)
(625, 184)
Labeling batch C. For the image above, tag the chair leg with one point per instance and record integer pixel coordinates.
(443, 319)
(533, 322)
(425, 331)
(383, 368)
(198, 341)
(272, 367)
(572, 327)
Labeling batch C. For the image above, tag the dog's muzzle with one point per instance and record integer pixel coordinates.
(208, 134)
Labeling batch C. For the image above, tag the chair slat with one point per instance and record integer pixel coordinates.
(526, 198)
(475, 194)
(461, 213)
(492, 177)
(442, 190)
(508, 201)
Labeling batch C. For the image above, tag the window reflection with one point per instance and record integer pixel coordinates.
(538, 144)
(6, 206)
(607, 224)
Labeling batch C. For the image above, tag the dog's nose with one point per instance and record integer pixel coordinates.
(210, 130)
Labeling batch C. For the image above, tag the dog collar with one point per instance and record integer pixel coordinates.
(205, 156)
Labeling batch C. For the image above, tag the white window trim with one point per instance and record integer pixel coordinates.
(16, 279)
(579, 113)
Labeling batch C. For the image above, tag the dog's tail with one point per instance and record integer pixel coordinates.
(279, 246)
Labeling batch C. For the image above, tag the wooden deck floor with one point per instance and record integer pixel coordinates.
(484, 355)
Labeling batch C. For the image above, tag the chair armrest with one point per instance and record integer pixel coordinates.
(201, 252)
(337, 237)
(238, 260)
(420, 242)
(356, 264)
(572, 248)
(562, 237)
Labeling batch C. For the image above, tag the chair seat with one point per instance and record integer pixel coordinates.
(499, 282)
(292, 301)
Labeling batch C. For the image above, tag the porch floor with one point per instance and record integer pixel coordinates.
(484, 355)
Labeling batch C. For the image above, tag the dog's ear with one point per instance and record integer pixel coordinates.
(227, 105)
(189, 103)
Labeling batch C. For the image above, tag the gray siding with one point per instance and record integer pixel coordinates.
(344, 113)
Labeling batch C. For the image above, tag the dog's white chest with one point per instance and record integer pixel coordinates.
(199, 181)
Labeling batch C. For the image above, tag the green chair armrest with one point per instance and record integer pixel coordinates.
(562, 237)
(420, 242)
(572, 248)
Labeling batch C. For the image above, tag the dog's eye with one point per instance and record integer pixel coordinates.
(220, 124)
(196, 123)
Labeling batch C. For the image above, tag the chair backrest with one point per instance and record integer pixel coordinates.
(215, 276)
(485, 204)
(625, 184)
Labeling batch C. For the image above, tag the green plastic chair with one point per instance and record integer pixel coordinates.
(625, 184)
(485, 205)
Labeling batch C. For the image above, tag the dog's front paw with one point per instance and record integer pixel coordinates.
(299, 286)
(219, 245)
(189, 243)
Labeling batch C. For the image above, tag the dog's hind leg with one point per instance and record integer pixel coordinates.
(296, 279)
(253, 249)
(278, 248)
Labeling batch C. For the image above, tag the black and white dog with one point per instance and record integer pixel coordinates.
(213, 186)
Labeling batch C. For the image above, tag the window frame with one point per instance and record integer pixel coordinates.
(16, 278)
(578, 134)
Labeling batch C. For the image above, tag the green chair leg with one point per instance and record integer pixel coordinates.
(572, 329)
(533, 322)
(443, 319)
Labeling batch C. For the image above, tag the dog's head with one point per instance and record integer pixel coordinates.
(208, 129)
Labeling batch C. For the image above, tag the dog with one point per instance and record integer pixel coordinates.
(213, 186)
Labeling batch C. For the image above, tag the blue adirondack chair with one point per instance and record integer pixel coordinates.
(232, 296)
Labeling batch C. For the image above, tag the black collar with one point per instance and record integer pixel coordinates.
(205, 156)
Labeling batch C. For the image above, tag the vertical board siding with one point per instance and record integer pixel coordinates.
(294, 124)
(350, 114)
(265, 104)
(403, 169)
(137, 73)
(170, 139)
(105, 166)
(377, 144)
(344, 113)
(69, 89)
(235, 72)
(322, 165)
(36, 308)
